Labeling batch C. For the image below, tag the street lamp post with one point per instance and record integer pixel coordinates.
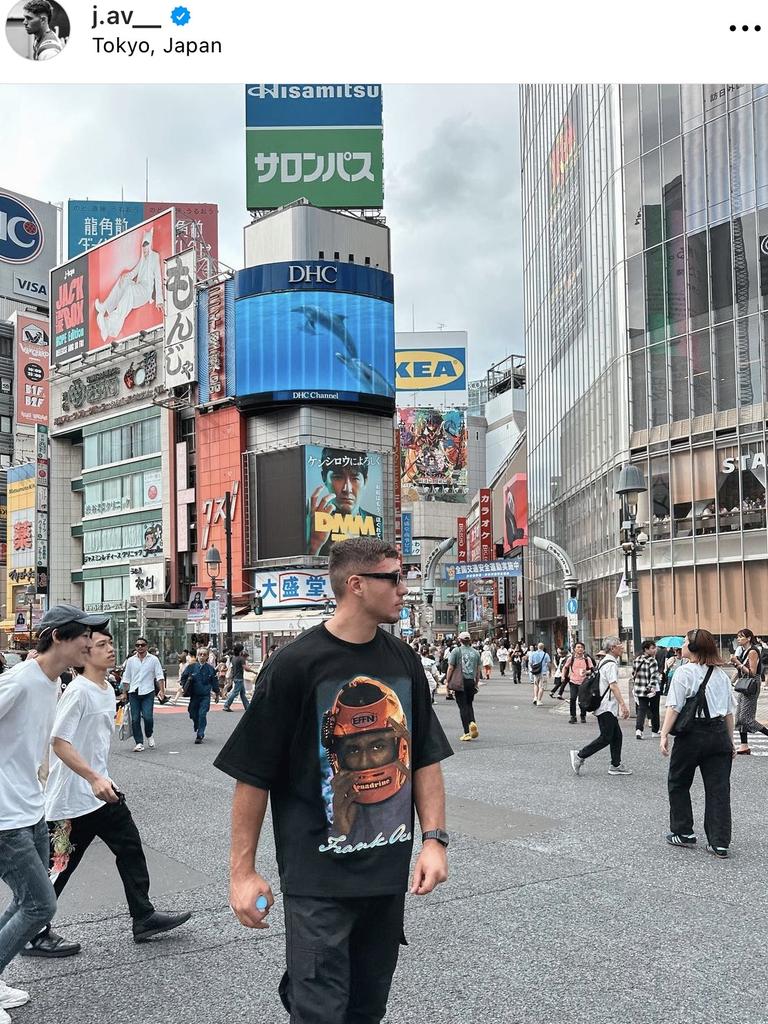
(631, 483)
(213, 568)
(228, 555)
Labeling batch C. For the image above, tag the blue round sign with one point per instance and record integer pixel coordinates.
(573, 605)
(21, 233)
(405, 613)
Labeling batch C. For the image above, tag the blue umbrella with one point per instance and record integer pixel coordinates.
(671, 641)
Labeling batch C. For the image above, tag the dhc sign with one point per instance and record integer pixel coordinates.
(430, 369)
(311, 273)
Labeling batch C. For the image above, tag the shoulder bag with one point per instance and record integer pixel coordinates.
(695, 707)
(748, 685)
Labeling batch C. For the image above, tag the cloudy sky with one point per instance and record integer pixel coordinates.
(451, 183)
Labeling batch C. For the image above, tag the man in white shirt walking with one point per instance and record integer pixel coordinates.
(27, 709)
(81, 792)
(142, 671)
(611, 707)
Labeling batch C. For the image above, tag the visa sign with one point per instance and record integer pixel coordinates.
(431, 369)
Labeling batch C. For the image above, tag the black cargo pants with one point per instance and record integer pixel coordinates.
(341, 956)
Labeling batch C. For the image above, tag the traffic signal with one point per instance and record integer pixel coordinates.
(257, 605)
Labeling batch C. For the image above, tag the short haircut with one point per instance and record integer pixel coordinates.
(647, 644)
(69, 631)
(357, 461)
(202, 650)
(237, 650)
(358, 554)
(609, 642)
(42, 8)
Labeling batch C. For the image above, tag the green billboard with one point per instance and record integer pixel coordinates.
(331, 167)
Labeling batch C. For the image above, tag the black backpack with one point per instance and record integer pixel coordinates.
(590, 694)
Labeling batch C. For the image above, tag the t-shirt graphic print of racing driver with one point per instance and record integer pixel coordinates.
(365, 761)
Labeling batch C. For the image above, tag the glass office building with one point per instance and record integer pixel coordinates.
(646, 289)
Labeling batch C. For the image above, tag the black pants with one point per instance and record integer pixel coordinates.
(341, 955)
(573, 689)
(114, 825)
(610, 736)
(517, 668)
(559, 685)
(708, 747)
(648, 706)
(502, 667)
(464, 699)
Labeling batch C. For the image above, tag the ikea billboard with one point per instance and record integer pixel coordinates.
(431, 361)
(314, 332)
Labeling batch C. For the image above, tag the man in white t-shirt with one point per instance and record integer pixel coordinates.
(142, 671)
(27, 707)
(611, 707)
(81, 792)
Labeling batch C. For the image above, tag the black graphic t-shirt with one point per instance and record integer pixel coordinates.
(335, 731)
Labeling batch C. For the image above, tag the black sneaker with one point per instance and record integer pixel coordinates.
(677, 840)
(157, 923)
(720, 852)
(50, 945)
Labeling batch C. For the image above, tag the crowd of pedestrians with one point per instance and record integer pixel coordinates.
(381, 748)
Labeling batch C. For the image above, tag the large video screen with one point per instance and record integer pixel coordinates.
(314, 346)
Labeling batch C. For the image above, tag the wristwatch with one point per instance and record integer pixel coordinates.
(436, 833)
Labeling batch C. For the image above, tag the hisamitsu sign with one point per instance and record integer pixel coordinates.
(483, 570)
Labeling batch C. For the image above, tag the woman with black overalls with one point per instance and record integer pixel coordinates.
(707, 745)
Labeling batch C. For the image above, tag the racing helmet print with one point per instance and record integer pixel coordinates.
(364, 706)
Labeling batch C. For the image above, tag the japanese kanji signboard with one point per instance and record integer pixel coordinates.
(179, 339)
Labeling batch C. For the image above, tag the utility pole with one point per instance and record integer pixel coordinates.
(228, 555)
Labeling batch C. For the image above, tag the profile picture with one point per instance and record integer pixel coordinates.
(37, 29)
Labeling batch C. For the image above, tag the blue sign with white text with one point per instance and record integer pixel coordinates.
(407, 533)
(312, 106)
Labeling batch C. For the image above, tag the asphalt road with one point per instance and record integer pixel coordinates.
(564, 903)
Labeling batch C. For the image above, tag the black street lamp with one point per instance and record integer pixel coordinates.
(213, 568)
(631, 484)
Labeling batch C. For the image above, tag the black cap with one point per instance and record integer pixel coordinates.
(64, 614)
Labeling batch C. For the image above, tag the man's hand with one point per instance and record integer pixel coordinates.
(664, 745)
(344, 806)
(243, 894)
(103, 790)
(430, 869)
(623, 711)
(320, 501)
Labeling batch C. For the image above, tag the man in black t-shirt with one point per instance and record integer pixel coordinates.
(342, 738)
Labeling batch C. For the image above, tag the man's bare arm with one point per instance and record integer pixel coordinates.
(249, 806)
(431, 867)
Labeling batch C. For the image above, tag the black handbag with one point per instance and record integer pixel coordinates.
(695, 707)
(749, 685)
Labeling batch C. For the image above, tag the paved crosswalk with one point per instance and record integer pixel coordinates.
(758, 743)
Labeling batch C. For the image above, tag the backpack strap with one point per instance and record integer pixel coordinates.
(701, 701)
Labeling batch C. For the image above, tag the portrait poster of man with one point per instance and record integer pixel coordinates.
(125, 282)
(345, 496)
(433, 454)
(365, 762)
(516, 512)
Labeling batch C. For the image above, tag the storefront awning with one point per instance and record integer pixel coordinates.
(275, 620)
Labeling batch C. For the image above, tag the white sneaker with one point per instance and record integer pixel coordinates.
(5, 1018)
(151, 741)
(576, 761)
(10, 997)
(138, 747)
(638, 734)
(620, 769)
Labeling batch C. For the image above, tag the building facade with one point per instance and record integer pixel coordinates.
(646, 284)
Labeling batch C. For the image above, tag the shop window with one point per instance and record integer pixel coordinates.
(703, 493)
(5, 424)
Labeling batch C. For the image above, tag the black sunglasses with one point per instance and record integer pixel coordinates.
(393, 577)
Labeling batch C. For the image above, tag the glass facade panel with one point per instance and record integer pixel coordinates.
(639, 397)
(635, 302)
(677, 310)
(718, 177)
(725, 367)
(721, 275)
(742, 161)
(695, 180)
(698, 281)
(657, 360)
(655, 313)
(761, 151)
(679, 376)
(649, 116)
(672, 189)
(670, 112)
(633, 209)
(746, 265)
(630, 122)
(652, 213)
(691, 106)
(701, 373)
